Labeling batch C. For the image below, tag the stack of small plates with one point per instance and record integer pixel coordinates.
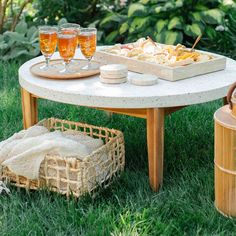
(113, 74)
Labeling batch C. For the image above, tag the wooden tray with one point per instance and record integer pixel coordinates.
(162, 71)
(53, 72)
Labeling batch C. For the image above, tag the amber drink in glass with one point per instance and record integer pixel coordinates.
(48, 43)
(68, 28)
(67, 44)
(88, 42)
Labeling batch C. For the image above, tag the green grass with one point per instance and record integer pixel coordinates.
(184, 205)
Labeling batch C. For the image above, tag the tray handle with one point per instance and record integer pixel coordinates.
(229, 95)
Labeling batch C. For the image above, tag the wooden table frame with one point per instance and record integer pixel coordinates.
(155, 130)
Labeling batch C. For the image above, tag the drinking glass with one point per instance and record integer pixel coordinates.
(67, 44)
(48, 43)
(88, 42)
(68, 27)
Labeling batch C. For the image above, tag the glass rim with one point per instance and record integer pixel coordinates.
(49, 27)
(70, 25)
(71, 33)
(88, 28)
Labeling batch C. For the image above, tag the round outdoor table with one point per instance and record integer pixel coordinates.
(152, 103)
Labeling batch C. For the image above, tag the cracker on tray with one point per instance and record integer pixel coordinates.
(150, 51)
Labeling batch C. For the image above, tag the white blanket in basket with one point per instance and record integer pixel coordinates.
(24, 152)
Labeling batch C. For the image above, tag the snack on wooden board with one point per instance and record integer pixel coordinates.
(150, 51)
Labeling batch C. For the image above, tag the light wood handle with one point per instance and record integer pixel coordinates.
(229, 95)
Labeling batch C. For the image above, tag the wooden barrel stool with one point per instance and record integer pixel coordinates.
(225, 156)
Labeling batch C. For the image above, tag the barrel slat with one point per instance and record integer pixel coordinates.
(225, 162)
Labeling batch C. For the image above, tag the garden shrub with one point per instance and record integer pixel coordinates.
(77, 11)
(170, 21)
(223, 39)
(23, 42)
(85, 13)
(11, 12)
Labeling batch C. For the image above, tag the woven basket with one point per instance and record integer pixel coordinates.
(69, 175)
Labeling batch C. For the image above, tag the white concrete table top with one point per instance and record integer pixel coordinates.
(91, 92)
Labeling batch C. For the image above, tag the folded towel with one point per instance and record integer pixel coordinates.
(24, 152)
(7, 146)
(91, 143)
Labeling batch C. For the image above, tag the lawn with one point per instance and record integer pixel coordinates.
(183, 206)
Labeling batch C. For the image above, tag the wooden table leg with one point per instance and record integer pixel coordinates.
(155, 141)
(29, 109)
(109, 114)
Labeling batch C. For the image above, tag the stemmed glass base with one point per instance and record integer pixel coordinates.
(66, 69)
(74, 63)
(90, 66)
(46, 66)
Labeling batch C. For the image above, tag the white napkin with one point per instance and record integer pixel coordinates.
(24, 152)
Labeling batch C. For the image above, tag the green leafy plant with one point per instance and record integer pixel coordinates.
(85, 13)
(222, 39)
(170, 22)
(23, 42)
(78, 11)
(11, 12)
